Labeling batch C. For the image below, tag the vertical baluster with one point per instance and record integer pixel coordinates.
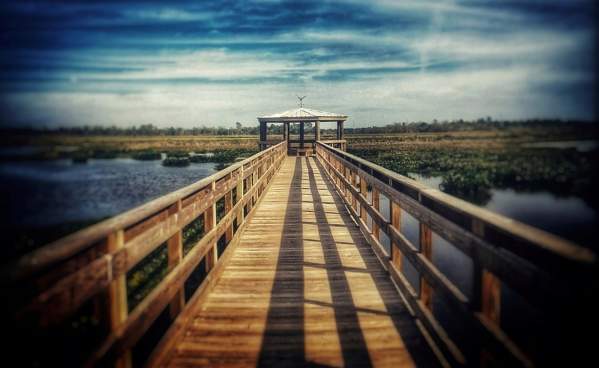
(228, 208)
(254, 173)
(354, 203)
(426, 248)
(209, 224)
(395, 211)
(348, 193)
(341, 181)
(175, 255)
(117, 297)
(491, 296)
(364, 192)
(240, 196)
(376, 204)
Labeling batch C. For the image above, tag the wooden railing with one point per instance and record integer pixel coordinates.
(510, 276)
(336, 143)
(192, 229)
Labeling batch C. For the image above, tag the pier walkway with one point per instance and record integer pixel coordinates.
(324, 260)
(310, 291)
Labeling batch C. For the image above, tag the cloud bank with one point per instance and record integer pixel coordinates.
(215, 63)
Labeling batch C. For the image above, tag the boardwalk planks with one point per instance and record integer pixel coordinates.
(293, 274)
(310, 291)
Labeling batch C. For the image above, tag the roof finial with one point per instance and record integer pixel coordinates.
(301, 100)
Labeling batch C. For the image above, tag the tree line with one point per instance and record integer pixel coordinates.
(239, 129)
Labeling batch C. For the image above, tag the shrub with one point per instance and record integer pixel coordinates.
(176, 161)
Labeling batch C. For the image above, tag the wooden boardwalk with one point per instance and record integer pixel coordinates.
(264, 265)
(302, 288)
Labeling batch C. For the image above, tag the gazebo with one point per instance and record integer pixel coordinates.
(301, 116)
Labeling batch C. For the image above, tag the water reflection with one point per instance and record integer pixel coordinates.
(569, 217)
(43, 193)
(579, 145)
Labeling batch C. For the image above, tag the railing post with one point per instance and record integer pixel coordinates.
(395, 212)
(175, 255)
(228, 208)
(348, 193)
(342, 171)
(491, 296)
(364, 192)
(240, 195)
(426, 248)
(117, 297)
(354, 202)
(376, 204)
(209, 224)
(254, 181)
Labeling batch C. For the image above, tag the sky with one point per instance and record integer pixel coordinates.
(214, 63)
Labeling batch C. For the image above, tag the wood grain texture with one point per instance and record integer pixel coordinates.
(303, 287)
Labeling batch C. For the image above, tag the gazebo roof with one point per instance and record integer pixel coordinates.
(302, 114)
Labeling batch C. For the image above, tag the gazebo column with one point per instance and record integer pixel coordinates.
(340, 129)
(262, 144)
(302, 134)
(285, 128)
(317, 130)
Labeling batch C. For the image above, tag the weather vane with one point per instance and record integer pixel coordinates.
(301, 100)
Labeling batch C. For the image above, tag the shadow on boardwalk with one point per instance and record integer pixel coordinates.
(284, 342)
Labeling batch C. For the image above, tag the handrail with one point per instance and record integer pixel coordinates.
(72, 244)
(56, 280)
(335, 143)
(537, 265)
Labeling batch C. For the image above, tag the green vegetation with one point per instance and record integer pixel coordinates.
(79, 159)
(192, 233)
(147, 155)
(471, 164)
(176, 161)
(144, 277)
(178, 154)
(224, 156)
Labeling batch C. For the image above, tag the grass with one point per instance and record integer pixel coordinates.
(472, 163)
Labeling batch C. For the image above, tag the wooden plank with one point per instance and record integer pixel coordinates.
(232, 327)
(168, 341)
(121, 340)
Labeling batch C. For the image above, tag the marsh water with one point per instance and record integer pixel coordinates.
(46, 193)
(568, 216)
(42, 200)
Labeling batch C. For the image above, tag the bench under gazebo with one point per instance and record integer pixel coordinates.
(296, 120)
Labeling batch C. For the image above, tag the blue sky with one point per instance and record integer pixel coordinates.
(214, 63)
